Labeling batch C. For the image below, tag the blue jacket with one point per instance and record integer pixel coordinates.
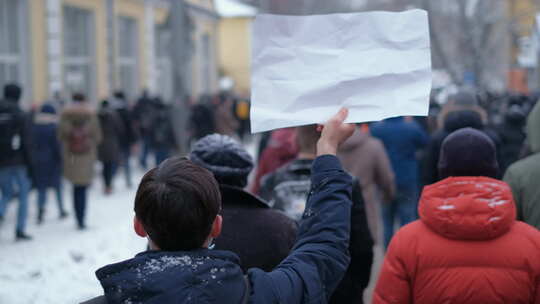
(401, 139)
(46, 151)
(308, 275)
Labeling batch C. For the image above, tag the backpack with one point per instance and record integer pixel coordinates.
(79, 138)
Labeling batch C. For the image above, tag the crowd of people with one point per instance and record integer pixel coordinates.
(297, 223)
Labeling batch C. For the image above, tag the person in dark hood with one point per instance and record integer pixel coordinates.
(15, 160)
(512, 136)
(47, 159)
(177, 208)
(269, 233)
(288, 188)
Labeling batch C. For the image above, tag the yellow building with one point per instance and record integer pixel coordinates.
(235, 43)
(57, 47)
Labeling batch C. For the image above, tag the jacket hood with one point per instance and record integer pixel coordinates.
(202, 276)
(468, 208)
(77, 111)
(533, 128)
(358, 139)
(236, 196)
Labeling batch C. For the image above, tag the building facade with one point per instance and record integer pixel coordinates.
(57, 47)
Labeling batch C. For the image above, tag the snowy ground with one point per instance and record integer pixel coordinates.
(58, 265)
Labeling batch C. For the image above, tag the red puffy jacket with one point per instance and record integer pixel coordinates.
(467, 247)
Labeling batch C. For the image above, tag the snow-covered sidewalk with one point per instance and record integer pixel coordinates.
(58, 265)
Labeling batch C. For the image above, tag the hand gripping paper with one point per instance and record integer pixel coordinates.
(305, 68)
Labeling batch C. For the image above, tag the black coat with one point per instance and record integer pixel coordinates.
(113, 131)
(14, 136)
(260, 236)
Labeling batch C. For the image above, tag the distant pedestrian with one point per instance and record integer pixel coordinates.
(109, 150)
(47, 159)
(402, 140)
(225, 118)
(80, 134)
(287, 190)
(269, 233)
(512, 135)
(129, 136)
(162, 139)
(15, 158)
(143, 115)
(524, 175)
(467, 247)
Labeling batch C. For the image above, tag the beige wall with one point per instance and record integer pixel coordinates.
(38, 51)
(235, 51)
(135, 10)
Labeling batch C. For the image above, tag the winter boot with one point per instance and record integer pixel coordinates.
(21, 236)
(41, 213)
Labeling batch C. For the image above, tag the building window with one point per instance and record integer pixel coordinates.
(78, 52)
(127, 56)
(164, 66)
(10, 44)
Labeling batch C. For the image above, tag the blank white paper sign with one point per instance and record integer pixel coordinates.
(305, 68)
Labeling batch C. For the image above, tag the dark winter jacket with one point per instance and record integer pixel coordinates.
(130, 135)
(288, 188)
(46, 151)
(161, 131)
(308, 275)
(14, 136)
(112, 129)
(260, 236)
(402, 139)
(512, 136)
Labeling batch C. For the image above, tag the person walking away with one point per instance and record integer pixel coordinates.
(523, 176)
(80, 134)
(129, 137)
(269, 233)
(15, 158)
(365, 158)
(402, 139)
(177, 209)
(109, 150)
(512, 135)
(162, 140)
(280, 149)
(47, 160)
(143, 115)
(287, 190)
(467, 247)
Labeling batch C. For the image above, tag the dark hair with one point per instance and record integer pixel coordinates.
(79, 97)
(177, 204)
(307, 138)
(12, 92)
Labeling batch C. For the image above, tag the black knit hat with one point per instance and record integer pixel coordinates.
(225, 157)
(468, 152)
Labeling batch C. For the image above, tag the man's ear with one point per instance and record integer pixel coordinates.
(216, 227)
(138, 227)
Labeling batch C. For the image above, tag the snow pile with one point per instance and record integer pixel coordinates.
(58, 265)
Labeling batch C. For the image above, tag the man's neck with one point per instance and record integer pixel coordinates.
(307, 155)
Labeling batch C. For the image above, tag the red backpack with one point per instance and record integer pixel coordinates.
(79, 138)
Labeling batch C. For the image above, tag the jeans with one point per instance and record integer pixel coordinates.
(145, 143)
(109, 169)
(404, 206)
(79, 203)
(126, 153)
(42, 198)
(10, 177)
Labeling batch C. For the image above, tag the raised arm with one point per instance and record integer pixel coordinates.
(320, 256)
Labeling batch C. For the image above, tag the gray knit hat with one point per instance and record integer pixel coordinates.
(225, 157)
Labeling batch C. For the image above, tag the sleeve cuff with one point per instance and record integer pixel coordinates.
(326, 163)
